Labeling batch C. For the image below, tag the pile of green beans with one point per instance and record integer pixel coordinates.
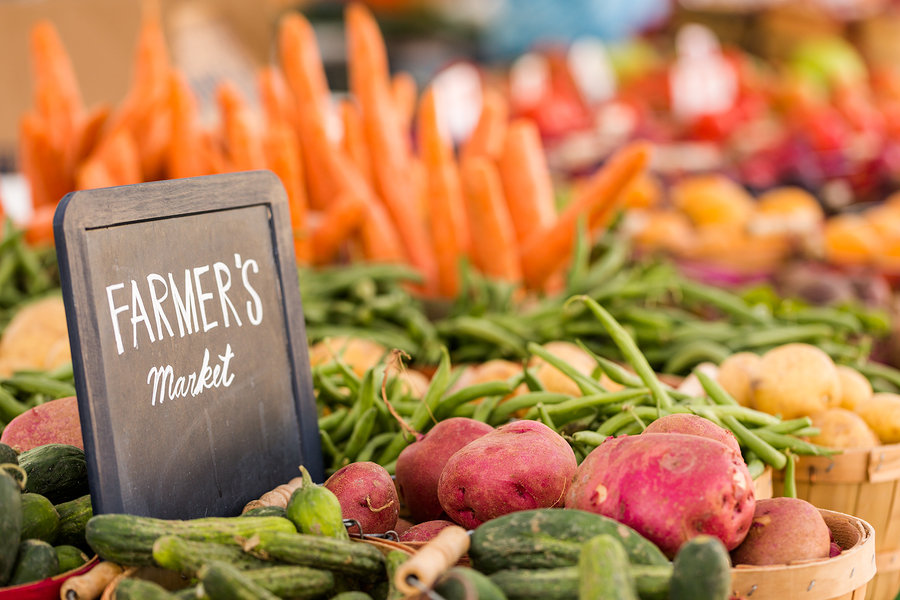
(26, 389)
(26, 272)
(678, 322)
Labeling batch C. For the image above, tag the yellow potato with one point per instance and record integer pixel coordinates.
(854, 387)
(555, 380)
(36, 337)
(497, 369)
(842, 428)
(736, 374)
(795, 380)
(882, 413)
(359, 354)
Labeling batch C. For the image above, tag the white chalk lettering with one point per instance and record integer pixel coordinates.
(113, 312)
(223, 284)
(138, 314)
(166, 386)
(203, 297)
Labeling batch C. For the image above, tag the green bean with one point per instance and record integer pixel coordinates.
(545, 417)
(777, 336)
(617, 373)
(330, 282)
(604, 267)
(484, 408)
(40, 384)
(484, 330)
(689, 354)
(566, 412)
(345, 427)
(828, 316)
(714, 390)
(636, 427)
(584, 382)
(791, 426)
(725, 301)
(797, 446)
(362, 430)
(806, 432)
(466, 410)
(328, 446)
(329, 392)
(64, 372)
(10, 406)
(790, 477)
(506, 409)
(878, 370)
(589, 438)
(470, 393)
(579, 263)
(531, 381)
(611, 425)
(656, 320)
(630, 351)
(756, 467)
(330, 421)
(749, 439)
(8, 265)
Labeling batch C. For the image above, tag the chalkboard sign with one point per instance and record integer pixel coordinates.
(188, 343)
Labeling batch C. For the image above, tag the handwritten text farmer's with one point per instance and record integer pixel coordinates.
(195, 301)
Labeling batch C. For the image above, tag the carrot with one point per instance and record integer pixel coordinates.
(490, 130)
(86, 138)
(547, 250)
(283, 158)
(115, 162)
(338, 223)
(41, 162)
(275, 97)
(354, 142)
(243, 141)
(495, 251)
(527, 185)
(39, 229)
(403, 93)
(148, 93)
(302, 66)
(443, 193)
(441, 171)
(57, 92)
(369, 82)
(186, 156)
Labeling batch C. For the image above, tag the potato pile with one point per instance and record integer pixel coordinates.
(800, 380)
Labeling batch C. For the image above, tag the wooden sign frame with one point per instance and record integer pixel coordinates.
(90, 227)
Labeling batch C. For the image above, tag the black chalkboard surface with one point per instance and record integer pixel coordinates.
(188, 343)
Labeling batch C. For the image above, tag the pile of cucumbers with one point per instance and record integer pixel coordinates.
(44, 509)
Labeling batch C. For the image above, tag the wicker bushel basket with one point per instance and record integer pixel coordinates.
(864, 483)
(844, 577)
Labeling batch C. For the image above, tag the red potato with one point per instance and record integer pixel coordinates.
(669, 487)
(367, 494)
(693, 425)
(420, 464)
(402, 525)
(53, 422)
(784, 530)
(518, 466)
(425, 531)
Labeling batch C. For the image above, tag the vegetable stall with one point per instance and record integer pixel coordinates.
(526, 386)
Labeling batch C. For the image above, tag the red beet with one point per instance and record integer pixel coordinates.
(693, 425)
(367, 494)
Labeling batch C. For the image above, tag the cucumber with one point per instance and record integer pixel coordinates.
(128, 539)
(464, 583)
(265, 511)
(393, 559)
(340, 556)
(73, 518)
(292, 581)
(352, 595)
(561, 583)
(315, 510)
(130, 588)
(551, 537)
(57, 471)
(8, 455)
(701, 570)
(186, 557)
(224, 582)
(69, 557)
(10, 524)
(40, 521)
(285, 581)
(604, 572)
(35, 561)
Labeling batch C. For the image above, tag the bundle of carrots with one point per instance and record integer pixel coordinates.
(374, 190)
